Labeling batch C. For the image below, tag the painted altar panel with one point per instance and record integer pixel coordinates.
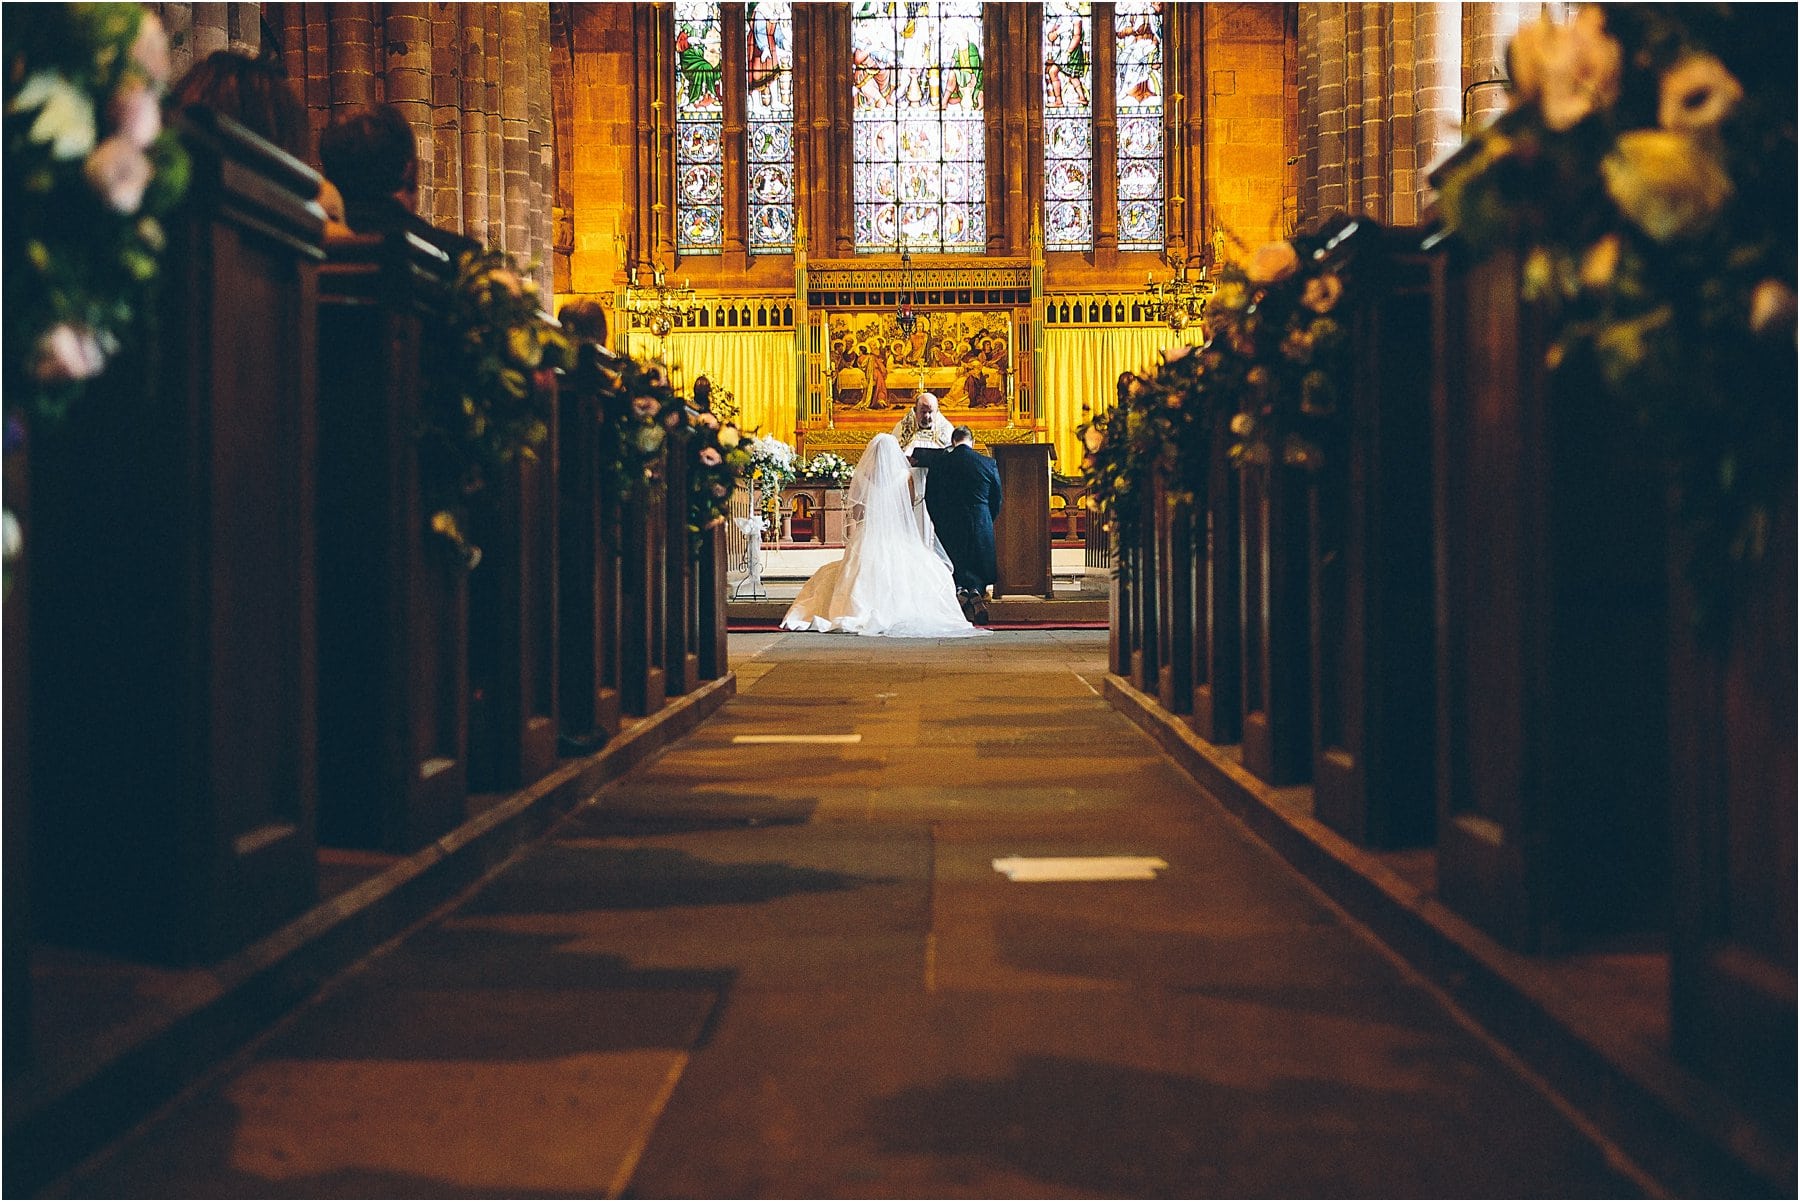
(965, 358)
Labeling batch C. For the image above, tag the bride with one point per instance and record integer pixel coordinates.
(891, 580)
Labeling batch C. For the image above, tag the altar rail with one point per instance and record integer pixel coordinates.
(1459, 636)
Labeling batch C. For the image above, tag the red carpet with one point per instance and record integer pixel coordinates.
(741, 627)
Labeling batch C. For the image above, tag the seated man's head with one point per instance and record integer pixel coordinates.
(583, 319)
(962, 435)
(372, 154)
(924, 405)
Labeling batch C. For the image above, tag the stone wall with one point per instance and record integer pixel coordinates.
(1249, 53)
(1386, 92)
(473, 79)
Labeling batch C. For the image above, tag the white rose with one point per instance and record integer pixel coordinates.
(68, 352)
(65, 114)
(119, 172)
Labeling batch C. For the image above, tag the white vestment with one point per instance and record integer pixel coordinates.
(909, 434)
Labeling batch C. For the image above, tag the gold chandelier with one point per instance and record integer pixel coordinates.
(661, 306)
(1178, 302)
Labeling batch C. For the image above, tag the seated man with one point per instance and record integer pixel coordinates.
(373, 158)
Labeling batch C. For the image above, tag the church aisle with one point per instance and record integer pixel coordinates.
(790, 970)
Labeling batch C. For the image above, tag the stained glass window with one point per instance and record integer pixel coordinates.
(1068, 126)
(1138, 52)
(769, 141)
(920, 138)
(699, 130)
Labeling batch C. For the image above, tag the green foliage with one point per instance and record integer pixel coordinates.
(490, 363)
(1271, 369)
(89, 173)
(1658, 235)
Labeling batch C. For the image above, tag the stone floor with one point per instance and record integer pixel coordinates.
(791, 970)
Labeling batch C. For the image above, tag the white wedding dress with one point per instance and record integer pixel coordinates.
(890, 580)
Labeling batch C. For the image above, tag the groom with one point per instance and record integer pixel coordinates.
(962, 494)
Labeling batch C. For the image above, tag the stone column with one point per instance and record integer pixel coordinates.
(1437, 91)
(491, 112)
(178, 23)
(1374, 164)
(1487, 28)
(1333, 193)
(515, 141)
(212, 29)
(1308, 102)
(1402, 152)
(352, 55)
(445, 118)
(406, 76)
(562, 117)
(1106, 137)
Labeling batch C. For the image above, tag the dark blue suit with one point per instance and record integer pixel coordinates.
(962, 494)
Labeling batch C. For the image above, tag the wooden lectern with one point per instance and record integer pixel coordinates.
(1022, 531)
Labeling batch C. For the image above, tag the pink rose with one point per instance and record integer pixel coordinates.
(119, 172)
(710, 457)
(68, 352)
(135, 114)
(1272, 263)
(151, 50)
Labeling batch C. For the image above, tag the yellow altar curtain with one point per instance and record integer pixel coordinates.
(757, 366)
(1083, 366)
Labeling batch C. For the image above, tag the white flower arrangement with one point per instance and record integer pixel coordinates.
(827, 466)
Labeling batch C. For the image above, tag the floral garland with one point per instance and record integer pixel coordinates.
(635, 396)
(1646, 175)
(1277, 353)
(719, 456)
(1271, 369)
(90, 170)
(491, 371)
(827, 466)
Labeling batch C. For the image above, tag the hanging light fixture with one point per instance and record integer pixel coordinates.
(907, 319)
(662, 305)
(1178, 302)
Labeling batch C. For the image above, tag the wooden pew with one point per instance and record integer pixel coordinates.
(1373, 683)
(588, 574)
(642, 538)
(1121, 601)
(1145, 622)
(15, 782)
(1176, 592)
(1277, 708)
(172, 600)
(1218, 713)
(512, 627)
(393, 597)
(710, 593)
(1553, 821)
(680, 657)
(1732, 736)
